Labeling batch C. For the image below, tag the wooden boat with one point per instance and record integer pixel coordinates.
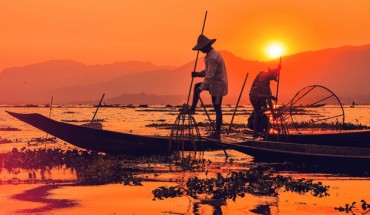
(351, 138)
(345, 146)
(97, 139)
(301, 152)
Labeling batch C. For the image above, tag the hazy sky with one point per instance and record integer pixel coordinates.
(164, 31)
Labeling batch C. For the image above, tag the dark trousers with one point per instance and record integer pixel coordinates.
(217, 103)
(259, 121)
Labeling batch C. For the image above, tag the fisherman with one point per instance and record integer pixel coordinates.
(261, 98)
(215, 79)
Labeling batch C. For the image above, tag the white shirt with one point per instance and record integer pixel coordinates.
(215, 75)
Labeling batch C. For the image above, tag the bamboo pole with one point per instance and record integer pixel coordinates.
(237, 103)
(196, 61)
(51, 105)
(97, 108)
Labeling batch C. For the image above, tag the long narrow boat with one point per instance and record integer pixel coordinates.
(345, 146)
(351, 138)
(301, 152)
(97, 139)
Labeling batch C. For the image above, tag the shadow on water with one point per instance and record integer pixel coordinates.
(40, 195)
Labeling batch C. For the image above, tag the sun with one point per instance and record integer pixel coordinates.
(275, 50)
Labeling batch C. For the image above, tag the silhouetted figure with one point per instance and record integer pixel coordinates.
(261, 98)
(215, 79)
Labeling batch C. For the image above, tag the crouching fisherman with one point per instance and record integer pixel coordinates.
(261, 98)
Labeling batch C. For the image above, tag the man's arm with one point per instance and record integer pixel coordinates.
(209, 74)
(198, 74)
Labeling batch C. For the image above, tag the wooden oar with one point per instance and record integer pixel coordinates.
(237, 103)
(196, 61)
(97, 108)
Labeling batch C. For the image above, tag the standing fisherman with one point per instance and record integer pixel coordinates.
(215, 79)
(260, 97)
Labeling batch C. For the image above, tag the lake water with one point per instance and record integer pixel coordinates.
(56, 189)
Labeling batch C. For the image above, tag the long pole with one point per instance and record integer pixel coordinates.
(213, 127)
(276, 102)
(97, 108)
(196, 61)
(51, 106)
(237, 103)
(278, 83)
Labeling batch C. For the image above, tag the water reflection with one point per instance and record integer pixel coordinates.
(56, 167)
(40, 195)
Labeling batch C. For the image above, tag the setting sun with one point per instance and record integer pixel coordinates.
(274, 50)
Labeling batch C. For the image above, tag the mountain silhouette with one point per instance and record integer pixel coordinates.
(344, 70)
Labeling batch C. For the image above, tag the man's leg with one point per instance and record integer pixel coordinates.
(256, 122)
(256, 111)
(217, 102)
(259, 107)
(195, 98)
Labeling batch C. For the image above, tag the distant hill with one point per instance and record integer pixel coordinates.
(344, 70)
(36, 83)
(148, 98)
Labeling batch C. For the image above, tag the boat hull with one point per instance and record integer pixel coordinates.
(98, 140)
(300, 152)
(357, 138)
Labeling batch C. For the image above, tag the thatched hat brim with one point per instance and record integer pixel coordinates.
(202, 42)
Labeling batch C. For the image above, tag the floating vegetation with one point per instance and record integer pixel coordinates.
(154, 110)
(83, 120)
(200, 124)
(129, 106)
(189, 164)
(348, 208)
(27, 105)
(8, 128)
(42, 140)
(327, 125)
(3, 141)
(91, 167)
(257, 181)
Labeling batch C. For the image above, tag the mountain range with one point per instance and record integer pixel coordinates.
(344, 70)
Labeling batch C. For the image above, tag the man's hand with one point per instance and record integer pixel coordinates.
(278, 68)
(194, 74)
(274, 98)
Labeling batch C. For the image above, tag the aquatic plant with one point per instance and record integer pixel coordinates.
(189, 164)
(8, 128)
(83, 120)
(348, 208)
(257, 181)
(90, 167)
(2, 141)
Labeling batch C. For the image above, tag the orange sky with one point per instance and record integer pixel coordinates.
(164, 31)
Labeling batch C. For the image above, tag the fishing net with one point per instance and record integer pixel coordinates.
(185, 135)
(316, 108)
